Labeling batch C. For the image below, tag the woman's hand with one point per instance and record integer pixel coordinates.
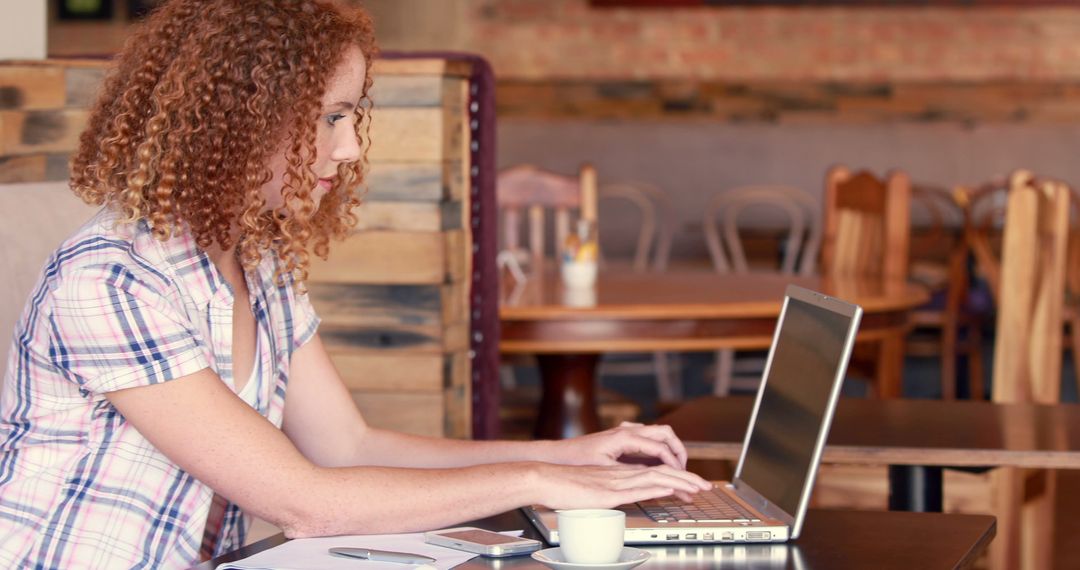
(608, 486)
(628, 443)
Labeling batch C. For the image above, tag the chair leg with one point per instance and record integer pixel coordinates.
(667, 384)
(948, 362)
(725, 368)
(1007, 492)
(1074, 334)
(975, 363)
(506, 377)
(1037, 520)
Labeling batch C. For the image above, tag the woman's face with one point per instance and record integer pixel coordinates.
(335, 136)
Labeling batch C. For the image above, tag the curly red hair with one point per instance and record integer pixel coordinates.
(200, 98)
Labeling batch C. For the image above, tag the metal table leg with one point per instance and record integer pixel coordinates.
(915, 488)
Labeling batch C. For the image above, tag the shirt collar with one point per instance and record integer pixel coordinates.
(193, 267)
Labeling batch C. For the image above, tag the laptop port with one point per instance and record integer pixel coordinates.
(758, 535)
(673, 537)
(707, 536)
(727, 536)
(691, 536)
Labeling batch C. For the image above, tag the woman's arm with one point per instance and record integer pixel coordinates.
(204, 428)
(321, 418)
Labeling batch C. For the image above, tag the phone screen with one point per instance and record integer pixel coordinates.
(481, 537)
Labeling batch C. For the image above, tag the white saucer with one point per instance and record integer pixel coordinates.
(553, 558)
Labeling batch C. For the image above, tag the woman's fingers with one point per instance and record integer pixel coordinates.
(663, 476)
(665, 435)
(652, 448)
(665, 445)
(612, 485)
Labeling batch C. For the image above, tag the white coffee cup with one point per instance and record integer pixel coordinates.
(591, 536)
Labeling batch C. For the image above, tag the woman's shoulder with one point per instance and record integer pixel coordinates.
(108, 247)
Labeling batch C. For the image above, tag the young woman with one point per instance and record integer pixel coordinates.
(166, 377)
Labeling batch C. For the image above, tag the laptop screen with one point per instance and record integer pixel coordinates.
(808, 350)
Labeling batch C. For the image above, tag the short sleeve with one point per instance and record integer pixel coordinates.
(304, 320)
(113, 329)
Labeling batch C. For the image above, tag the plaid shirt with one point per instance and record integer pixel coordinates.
(115, 308)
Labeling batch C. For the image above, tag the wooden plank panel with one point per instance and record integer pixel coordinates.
(82, 85)
(419, 134)
(407, 135)
(420, 414)
(455, 302)
(27, 87)
(400, 216)
(377, 305)
(15, 169)
(457, 255)
(458, 399)
(390, 371)
(422, 338)
(456, 336)
(33, 132)
(57, 167)
(407, 91)
(384, 257)
(34, 168)
(415, 182)
(396, 337)
(420, 67)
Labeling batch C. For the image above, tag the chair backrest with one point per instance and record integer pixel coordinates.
(35, 219)
(867, 224)
(939, 216)
(802, 213)
(1027, 350)
(654, 230)
(526, 189)
(984, 214)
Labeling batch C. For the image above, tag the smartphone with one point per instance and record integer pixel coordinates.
(482, 542)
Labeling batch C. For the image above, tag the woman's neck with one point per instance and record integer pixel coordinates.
(228, 265)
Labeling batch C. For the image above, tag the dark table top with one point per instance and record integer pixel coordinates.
(832, 540)
(904, 432)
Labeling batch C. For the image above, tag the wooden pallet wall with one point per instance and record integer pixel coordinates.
(394, 296)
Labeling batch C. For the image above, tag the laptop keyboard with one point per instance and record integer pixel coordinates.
(708, 507)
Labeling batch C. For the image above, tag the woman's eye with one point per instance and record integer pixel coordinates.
(331, 119)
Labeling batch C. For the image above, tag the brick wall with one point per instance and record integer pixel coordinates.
(563, 58)
(566, 39)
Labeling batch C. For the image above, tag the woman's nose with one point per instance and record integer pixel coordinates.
(346, 146)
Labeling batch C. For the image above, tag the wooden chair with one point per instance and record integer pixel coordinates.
(939, 261)
(650, 208)
(652, 249)
(523, 193)
(528, 190)
(1030, 282)
(802, 222)
(985, 207)
(867, 232)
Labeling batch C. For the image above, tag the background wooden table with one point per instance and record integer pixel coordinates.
(923, 434)
(675, 311)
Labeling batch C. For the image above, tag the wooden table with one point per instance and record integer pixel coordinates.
(567, 330)
(915, 437)
(831, 540)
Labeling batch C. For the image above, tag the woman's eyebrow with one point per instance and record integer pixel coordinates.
(341, 106)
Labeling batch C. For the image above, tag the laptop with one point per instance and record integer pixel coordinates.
(766, 499)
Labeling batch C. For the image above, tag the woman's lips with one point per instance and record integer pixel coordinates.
(326, 183)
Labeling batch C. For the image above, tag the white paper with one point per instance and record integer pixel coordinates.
(312, 553)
